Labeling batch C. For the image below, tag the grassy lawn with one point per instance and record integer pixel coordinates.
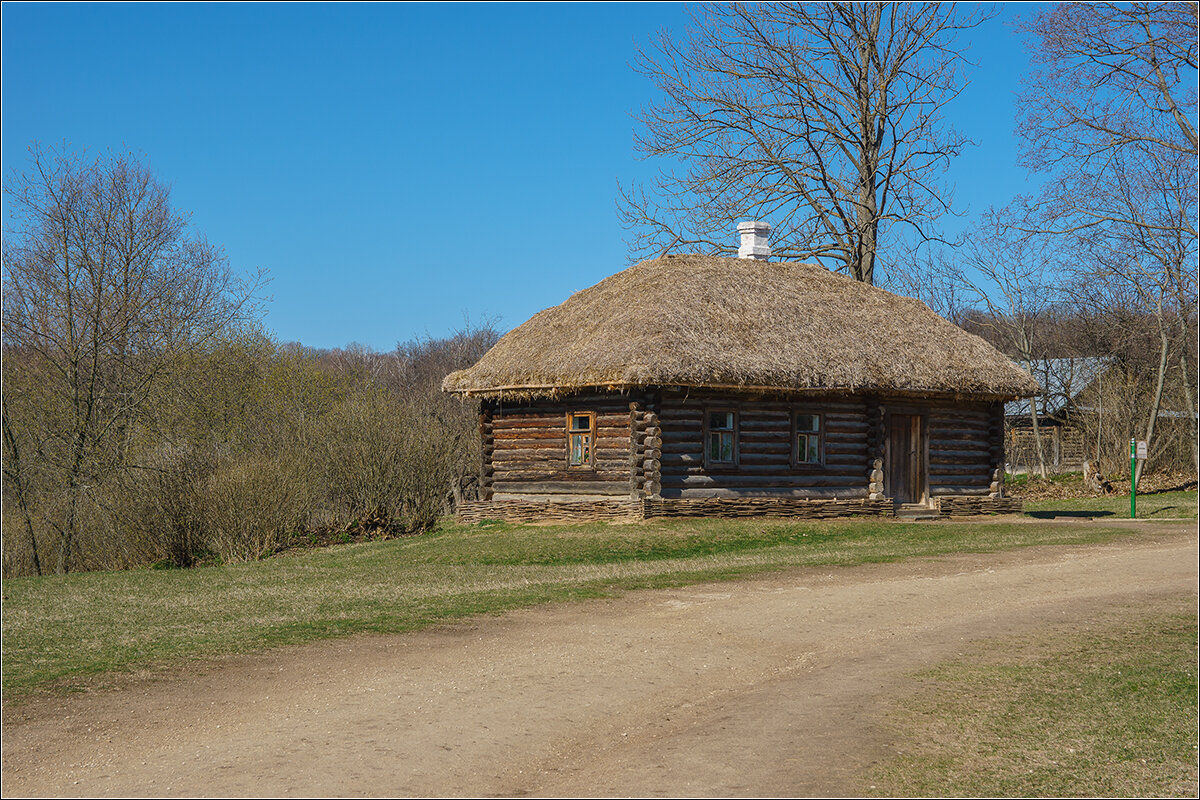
(1109, 713)
(63, 632)
(1163, 505)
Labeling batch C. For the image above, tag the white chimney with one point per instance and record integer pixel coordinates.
(756, 240)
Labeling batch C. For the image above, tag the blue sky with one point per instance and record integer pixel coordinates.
(397, 168)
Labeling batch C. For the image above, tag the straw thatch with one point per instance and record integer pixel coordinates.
(707, 321)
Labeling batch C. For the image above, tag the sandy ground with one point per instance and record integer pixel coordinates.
(768, 686)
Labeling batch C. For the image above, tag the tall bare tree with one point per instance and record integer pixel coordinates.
(105, 286)
(1109, 115)
(823, 118)
(1107, 76)
(1013, 277)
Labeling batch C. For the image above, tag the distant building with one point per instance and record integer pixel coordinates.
(1064, 381)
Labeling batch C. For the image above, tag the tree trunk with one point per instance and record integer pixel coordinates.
(1164, 345)
(1191, 412)
(13, 471)
(1037, 436)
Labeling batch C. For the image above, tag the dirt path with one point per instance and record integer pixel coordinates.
(767, 686)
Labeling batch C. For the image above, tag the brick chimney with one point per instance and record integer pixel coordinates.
(756, 240)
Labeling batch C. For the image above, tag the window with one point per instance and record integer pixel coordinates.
(581, 436)
(721, 446)
(807, 445)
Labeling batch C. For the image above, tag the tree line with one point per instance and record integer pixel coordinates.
(147, 417)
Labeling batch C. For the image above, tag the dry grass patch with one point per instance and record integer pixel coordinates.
(1108, 711)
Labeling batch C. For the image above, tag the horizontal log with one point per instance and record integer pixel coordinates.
(947, 454)
(559, 451)
(813, 493)
(834, 446)
(670, 436)
(765, 481)
(942, 435)
(554, 433)
(978, 460)
(957, 481)
(702, 401)
(755, 423)
(501, 458)
(980, 468)
(858, 416)
(782, 459)
(538, 475)
(964, 431)
(780, 447)
(847, 430)
(974, 445)
(857, 461)
(761, 440)
(620, 420)
(939, 491)
(561, 487)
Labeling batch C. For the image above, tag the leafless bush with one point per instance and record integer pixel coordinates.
(160, 512)
(250, 509)
(252, 447)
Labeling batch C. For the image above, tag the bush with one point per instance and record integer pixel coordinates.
(254, 445)
(250, 509)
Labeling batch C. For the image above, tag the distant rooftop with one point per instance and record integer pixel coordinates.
(1062, 380)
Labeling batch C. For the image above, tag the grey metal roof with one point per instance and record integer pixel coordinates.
(1062, 380)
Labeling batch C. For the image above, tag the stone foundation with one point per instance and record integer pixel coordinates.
(766, 507)
(720, 507)
(970, 506)
(549, 511)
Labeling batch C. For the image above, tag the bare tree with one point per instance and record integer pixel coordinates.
(824, 118)
(105, 287)
(1109, 114)
(1108, 76)
(1144, 259)
(1013, 277)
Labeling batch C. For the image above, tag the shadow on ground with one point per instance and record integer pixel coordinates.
(1084, 514)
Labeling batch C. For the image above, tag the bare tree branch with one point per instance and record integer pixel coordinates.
(825, 119)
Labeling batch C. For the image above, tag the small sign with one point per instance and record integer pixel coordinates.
(1141, 451)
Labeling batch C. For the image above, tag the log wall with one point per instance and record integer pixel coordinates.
(525, 450)
(649, 458)
(966, 448)
(764, 445)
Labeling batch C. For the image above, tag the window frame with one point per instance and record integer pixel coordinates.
(798, 464)
(711, 464)
(591, 432)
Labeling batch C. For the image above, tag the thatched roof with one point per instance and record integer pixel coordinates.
(692, 320)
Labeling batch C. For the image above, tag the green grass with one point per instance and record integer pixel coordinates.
(65, 632)
(1110, 712)
(1161, 505)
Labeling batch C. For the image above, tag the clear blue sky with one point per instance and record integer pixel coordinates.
(397, 168)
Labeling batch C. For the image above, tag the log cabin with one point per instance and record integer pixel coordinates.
(695, 385)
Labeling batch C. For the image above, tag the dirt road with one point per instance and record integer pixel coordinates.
(769, 686)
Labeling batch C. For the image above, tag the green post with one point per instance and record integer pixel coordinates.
(1132, 478)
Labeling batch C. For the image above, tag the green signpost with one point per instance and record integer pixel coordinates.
(1133, 478)
(1137, 452)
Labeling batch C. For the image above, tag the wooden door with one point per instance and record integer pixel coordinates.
(905, 459)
